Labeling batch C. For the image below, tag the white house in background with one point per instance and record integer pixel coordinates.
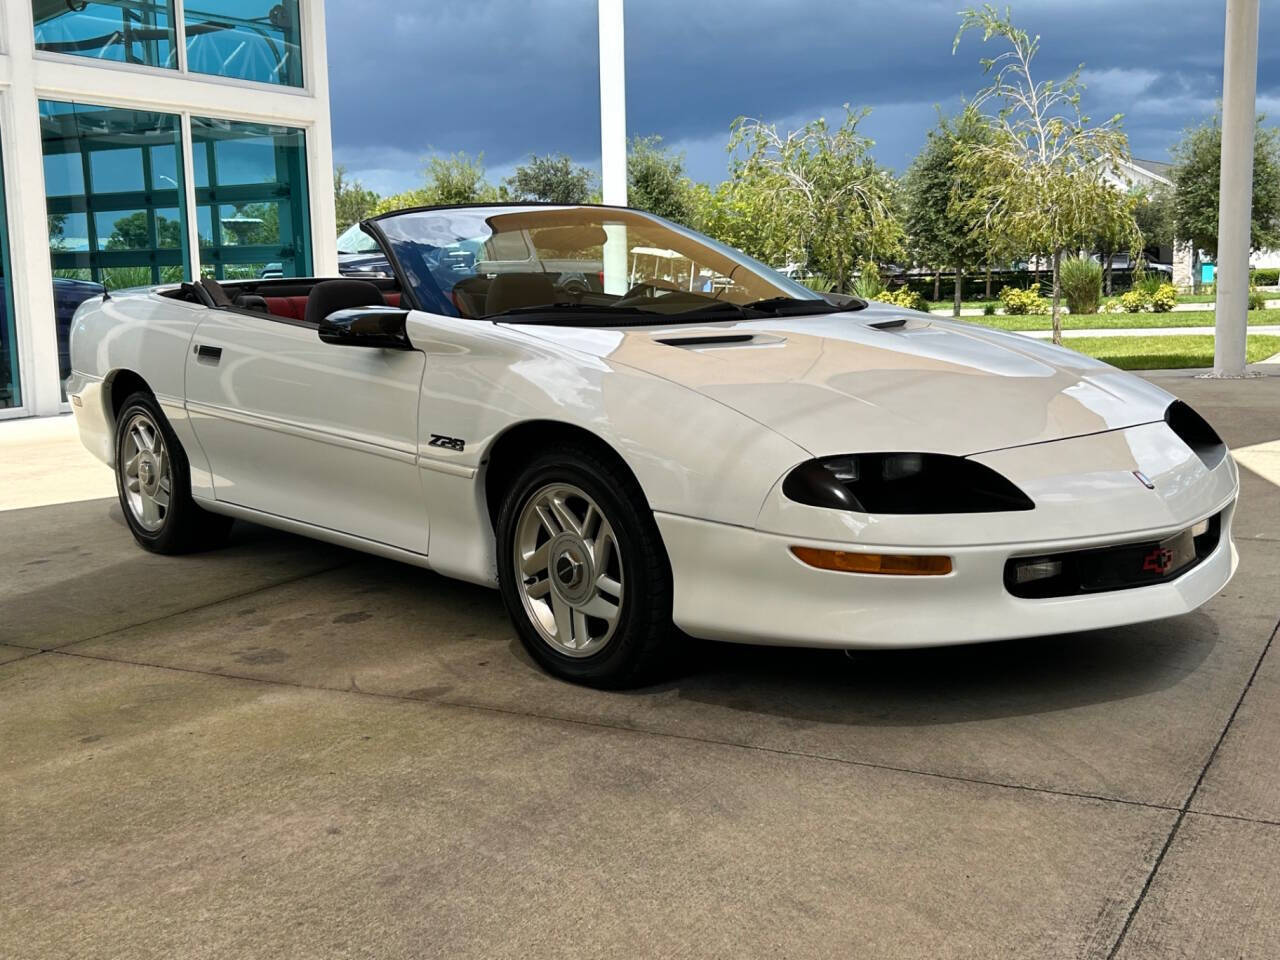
(1152, 175)
(144, 141)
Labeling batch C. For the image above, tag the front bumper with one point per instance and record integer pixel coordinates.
(736, 584)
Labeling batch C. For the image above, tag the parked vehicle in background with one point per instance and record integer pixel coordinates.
(68, 294)
(360, 256)
(1123, 262)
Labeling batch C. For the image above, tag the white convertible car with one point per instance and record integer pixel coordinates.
(627, 427)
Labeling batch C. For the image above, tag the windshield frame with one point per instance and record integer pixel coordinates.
(432, 299)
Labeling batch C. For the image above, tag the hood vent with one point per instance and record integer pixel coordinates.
(719, 340)
(896, 323)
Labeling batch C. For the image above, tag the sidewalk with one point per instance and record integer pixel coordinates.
(45, 463)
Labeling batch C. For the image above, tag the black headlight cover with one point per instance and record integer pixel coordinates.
(903, 483)
(1195, 432)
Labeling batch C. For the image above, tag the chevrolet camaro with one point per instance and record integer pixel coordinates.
(636, 433)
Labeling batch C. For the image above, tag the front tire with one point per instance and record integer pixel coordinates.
(153, 481)
(583, 570)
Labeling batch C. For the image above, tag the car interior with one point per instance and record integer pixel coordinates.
(293, 300)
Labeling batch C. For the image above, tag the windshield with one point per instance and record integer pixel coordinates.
(355, 240)
(598, 265)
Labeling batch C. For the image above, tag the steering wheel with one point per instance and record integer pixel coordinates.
(575, 287)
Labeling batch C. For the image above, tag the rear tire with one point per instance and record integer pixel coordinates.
(583, 570)
(153, 481)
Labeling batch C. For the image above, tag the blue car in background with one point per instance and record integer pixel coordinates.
(67, 296)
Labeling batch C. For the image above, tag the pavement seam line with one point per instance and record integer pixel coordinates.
(552, 718)
(1238, 817)
(27, 655)
(1186, 804)
(183, 612)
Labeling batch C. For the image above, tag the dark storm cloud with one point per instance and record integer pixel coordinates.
(508, 78)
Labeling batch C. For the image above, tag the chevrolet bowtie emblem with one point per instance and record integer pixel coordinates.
(1146, 481)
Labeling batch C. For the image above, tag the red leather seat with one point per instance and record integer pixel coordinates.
(295, 308)
(292, 308)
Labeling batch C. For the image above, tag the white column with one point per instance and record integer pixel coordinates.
(613, 104)
(1235, 200)
(324, 219)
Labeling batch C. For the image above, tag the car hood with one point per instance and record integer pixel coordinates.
(882, 379)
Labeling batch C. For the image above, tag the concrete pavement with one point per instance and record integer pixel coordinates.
(284, 749)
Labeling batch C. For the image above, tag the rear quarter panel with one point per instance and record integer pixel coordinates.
(148, 335)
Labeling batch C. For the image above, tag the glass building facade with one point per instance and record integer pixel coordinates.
(258, 40)
(124, 31)
(251, 199)
(114, 200)
(164, 140)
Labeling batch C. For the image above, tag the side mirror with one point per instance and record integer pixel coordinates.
(367, 327)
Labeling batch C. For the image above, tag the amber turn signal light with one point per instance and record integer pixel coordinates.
(883, 563)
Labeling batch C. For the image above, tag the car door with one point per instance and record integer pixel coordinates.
(312, 431)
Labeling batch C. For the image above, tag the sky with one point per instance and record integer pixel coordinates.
(507, 78)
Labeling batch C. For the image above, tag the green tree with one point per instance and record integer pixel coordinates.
(656, 181)
(352, 200)
(817, 195)
(1196, 176)
(731, 213)
(57, 232)
(456, 178)
(130, 233)
(1153, 211)
(1041, 175)
(552, 179)
(940, 202)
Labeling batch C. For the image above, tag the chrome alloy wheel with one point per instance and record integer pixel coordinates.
(145, 473)
(569, 570)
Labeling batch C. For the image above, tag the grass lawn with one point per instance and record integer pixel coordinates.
(1166, 353)
(1110, 321)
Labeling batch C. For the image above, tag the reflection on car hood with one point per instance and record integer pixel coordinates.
(840, 383)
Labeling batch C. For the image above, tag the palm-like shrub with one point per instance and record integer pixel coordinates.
(1147, 282)
(868, 285)
(1081, 281)
(816, 282)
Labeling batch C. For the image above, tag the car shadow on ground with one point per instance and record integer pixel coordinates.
(946, 685)
(453, 629)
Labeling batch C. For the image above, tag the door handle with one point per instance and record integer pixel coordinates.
(208, 354)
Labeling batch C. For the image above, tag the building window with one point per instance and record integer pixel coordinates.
(251, 194)
(125, 31)
(10, 382)
(113, 192)
(245, 39)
